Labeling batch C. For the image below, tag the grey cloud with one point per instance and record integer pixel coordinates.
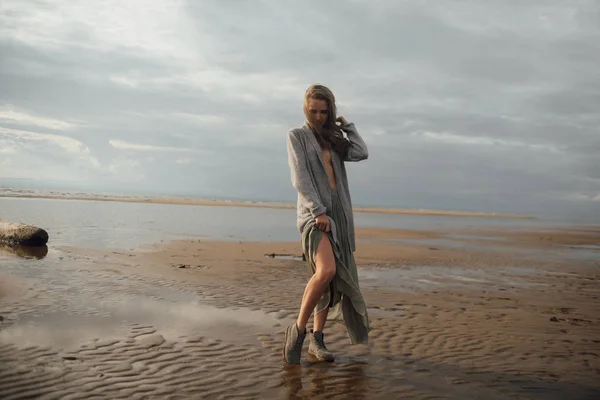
(513, 86)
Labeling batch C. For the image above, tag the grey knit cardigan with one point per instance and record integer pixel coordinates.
(309, 177)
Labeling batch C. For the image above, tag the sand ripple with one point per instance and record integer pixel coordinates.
(127, 326)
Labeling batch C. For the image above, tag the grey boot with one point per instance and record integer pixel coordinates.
(317, 348)
(292, 348)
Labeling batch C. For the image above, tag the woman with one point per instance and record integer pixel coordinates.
(316, 154)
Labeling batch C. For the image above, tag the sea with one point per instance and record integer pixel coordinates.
(128, 225)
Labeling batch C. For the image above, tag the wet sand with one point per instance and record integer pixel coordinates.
(10, 287)
(455, 315)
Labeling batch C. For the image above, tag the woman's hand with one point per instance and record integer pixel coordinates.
(323, 223)
(342, 121)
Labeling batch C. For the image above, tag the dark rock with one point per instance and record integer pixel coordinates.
(15, 233)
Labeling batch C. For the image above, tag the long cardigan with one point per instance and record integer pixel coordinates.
(309, 177)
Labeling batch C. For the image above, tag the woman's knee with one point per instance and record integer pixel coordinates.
(325, 274)
(330, 274)
(325, 261)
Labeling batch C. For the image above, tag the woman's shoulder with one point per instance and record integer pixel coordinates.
(298, 132)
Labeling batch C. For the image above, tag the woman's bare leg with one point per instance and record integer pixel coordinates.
(324, 273)
(320, 320)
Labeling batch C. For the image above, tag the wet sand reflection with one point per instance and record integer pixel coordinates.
(317, 379)
(21, 251)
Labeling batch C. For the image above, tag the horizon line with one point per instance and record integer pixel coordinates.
(255, 203)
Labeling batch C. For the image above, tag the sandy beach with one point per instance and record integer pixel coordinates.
(494, 314)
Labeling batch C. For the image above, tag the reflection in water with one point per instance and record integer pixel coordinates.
(292, 381)
(113, 317)
(37, 252)
(332, 380)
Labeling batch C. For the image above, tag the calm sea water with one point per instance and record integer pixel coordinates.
(104, 224)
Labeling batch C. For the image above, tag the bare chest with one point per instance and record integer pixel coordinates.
(329, 167)
(327, 157)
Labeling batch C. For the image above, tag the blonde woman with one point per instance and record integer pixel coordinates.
(317, 152)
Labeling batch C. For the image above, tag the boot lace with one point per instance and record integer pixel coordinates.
(320, 343)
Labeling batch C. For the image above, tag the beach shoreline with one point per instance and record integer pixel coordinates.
(274, 205)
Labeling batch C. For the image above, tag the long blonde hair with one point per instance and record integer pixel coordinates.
(330, 135)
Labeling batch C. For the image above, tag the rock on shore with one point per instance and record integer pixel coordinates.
(18, 233)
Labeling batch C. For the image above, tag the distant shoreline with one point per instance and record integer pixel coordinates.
(222, 203)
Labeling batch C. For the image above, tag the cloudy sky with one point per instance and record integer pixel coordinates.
(472, 105)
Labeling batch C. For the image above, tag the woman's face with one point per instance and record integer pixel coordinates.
(318, 111)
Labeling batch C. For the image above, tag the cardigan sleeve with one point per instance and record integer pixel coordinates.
(301, 176)
(358, 148)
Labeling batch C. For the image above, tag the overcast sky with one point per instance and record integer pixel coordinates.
(474, 105)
